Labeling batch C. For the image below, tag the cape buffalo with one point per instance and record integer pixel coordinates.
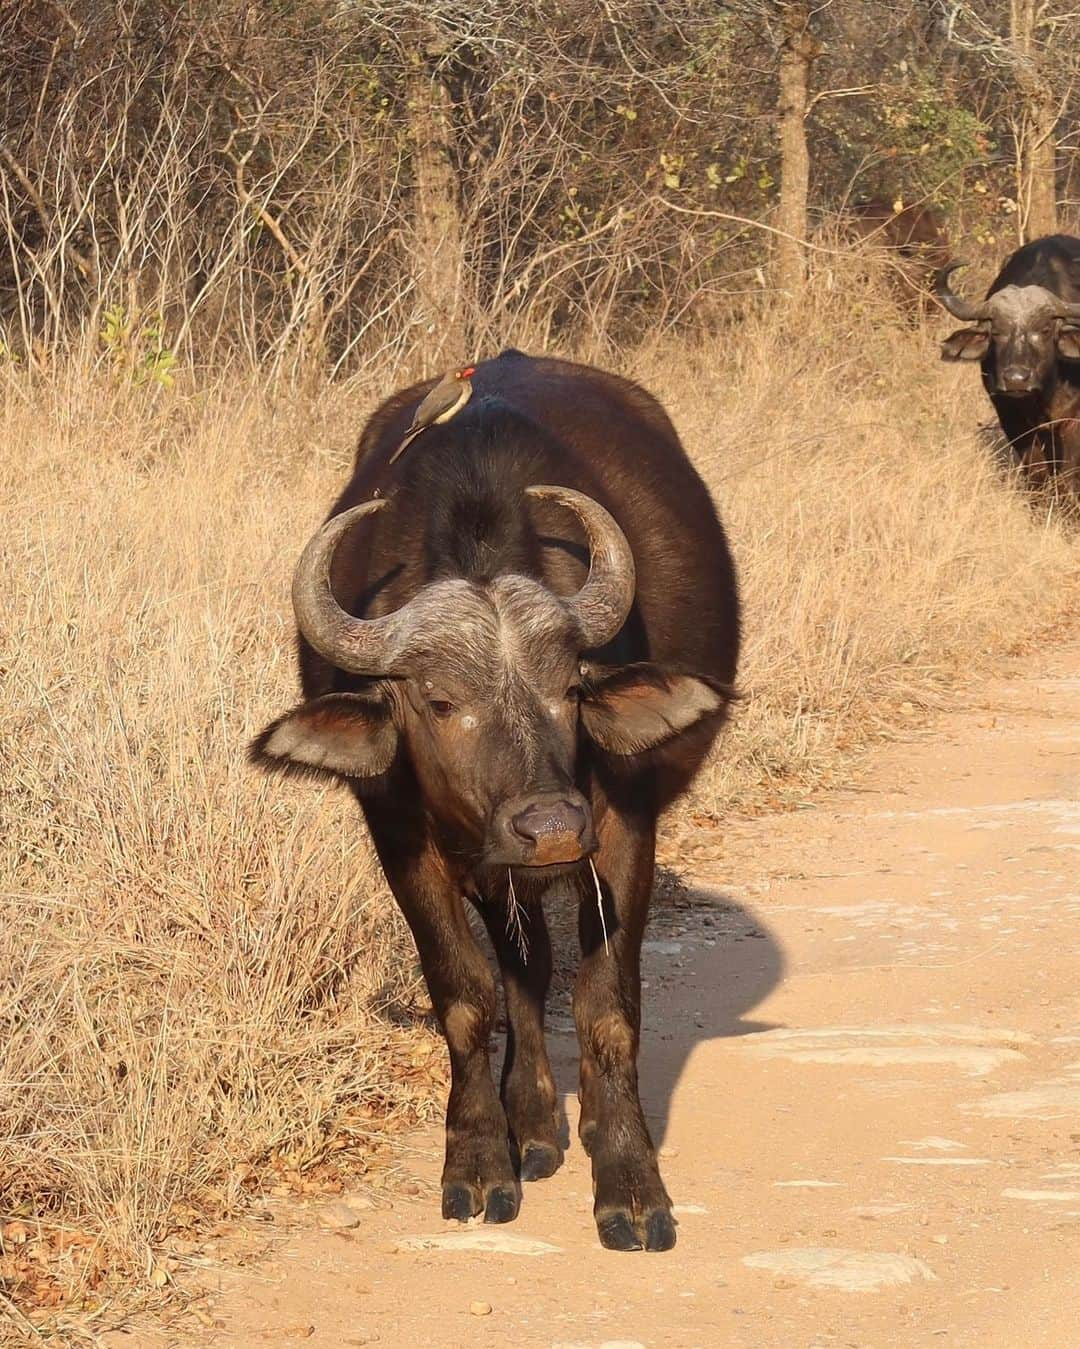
(915, 239)
(517, 645)
(1026, 334)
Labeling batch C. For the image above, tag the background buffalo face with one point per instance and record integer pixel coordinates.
(1020, 340)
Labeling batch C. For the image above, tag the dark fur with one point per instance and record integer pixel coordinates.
(457, 509)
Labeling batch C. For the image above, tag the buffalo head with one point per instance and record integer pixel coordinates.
(1020, 332)
(482, 689)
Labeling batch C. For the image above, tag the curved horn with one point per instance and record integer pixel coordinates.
(1069, 310)
(603, 602)
(358, 645)
(958, 307)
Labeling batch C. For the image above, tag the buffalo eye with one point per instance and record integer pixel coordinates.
(440, 708)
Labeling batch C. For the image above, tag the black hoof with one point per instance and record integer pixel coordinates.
(502, 1205)
(659, 1230)
(460, 1201)
(539, 1161)
(617, 1232)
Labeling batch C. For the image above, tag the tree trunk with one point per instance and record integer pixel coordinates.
(438, 253)
(1040, 166)
(796, 56)
(1035, 127)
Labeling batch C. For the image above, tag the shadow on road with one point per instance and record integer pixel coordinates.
(684, 1008)
(707, 995)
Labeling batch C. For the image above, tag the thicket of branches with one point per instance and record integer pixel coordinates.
(311, 181)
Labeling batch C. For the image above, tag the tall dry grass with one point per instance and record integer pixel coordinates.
(198, 966)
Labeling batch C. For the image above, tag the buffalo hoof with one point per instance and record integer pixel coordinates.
(617, 1232)
(659, 1230)
(540, 1160)
(502, 1204)
(460, 1201)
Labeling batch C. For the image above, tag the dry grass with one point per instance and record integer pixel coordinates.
(196, 964)
(194, 960)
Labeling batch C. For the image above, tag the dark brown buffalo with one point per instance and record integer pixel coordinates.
(915, 241)
(517, 645)
(1026, 334)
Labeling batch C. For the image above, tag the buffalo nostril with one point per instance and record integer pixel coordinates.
(542, 821)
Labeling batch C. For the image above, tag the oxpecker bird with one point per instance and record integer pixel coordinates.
(441, 403)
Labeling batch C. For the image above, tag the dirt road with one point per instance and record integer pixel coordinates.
(862, 1063)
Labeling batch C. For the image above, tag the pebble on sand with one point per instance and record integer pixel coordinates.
(479, 1308)
(338, 1216)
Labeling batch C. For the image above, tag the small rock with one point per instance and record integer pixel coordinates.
(479, 1308)
(669, 1152)
(338, 1216)
(362, 1203)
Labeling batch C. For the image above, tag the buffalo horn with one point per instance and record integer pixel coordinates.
(359, 645)
(958, 307)
(603, 602)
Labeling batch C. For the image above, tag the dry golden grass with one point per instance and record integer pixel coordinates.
(194, 960)
(196, 964)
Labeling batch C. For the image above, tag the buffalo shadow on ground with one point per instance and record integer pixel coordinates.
(731, 977)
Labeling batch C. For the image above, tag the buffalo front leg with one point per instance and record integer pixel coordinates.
(523, 948)
(478, 1176)
(631, 1205)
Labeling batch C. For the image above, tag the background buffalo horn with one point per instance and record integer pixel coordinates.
(959, 308)
(603, 602)
(1070, 310)
(359, 645)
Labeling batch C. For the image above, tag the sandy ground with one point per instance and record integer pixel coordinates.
(862, 1065)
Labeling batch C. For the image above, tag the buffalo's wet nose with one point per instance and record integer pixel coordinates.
(1016, 377)
(550, 820)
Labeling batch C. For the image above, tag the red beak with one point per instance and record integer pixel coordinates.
(466, 371)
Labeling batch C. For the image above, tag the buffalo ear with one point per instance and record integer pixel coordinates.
(341, 735)
(640, 707)
(1068, 343)
(966, 344)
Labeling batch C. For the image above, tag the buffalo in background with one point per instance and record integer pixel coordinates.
(914, 240)
(1026, 335)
